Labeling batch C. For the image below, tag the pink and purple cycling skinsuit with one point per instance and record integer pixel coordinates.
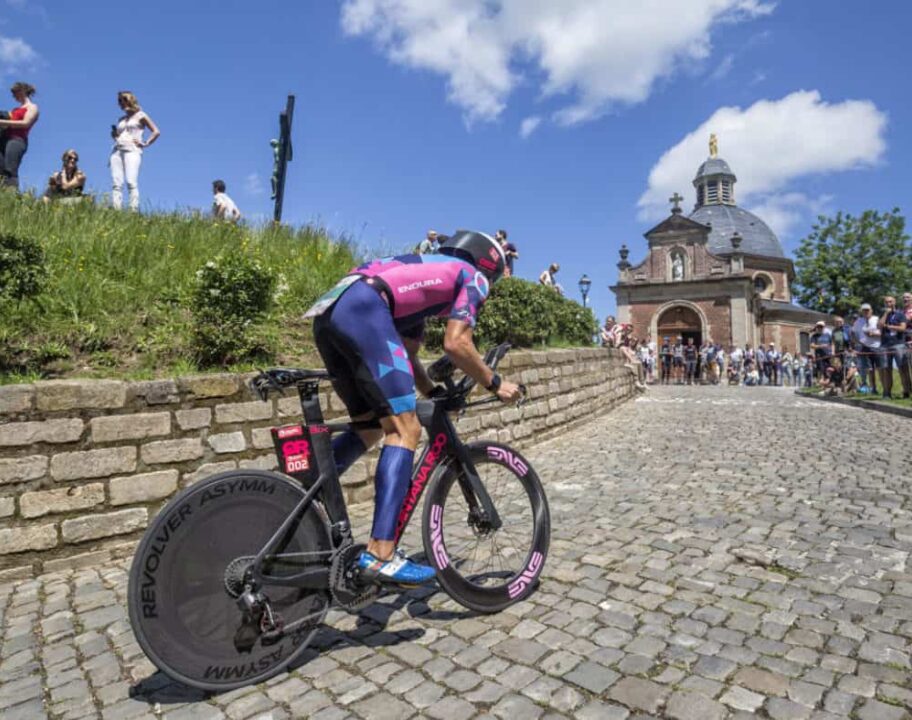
(360, 336)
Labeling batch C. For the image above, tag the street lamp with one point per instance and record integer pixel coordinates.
(584, 284)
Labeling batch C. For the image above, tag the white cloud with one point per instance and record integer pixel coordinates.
(723, 68)
(769, 145)
(254, 185)
(598, 52)
(15, 54)
(783, 212)
(529, 125)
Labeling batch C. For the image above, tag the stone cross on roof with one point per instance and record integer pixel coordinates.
(676, 200)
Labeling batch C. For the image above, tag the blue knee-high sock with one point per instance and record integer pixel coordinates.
(391, 483)
(347, 447)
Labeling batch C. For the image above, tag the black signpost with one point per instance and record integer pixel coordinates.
(282, 155)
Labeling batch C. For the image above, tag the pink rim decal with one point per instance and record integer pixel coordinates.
(508, 458)
(519, 585)
(440, 556)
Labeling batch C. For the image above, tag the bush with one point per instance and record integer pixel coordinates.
(119, 283)
(229, 296)
(22, 268)
(525, 314)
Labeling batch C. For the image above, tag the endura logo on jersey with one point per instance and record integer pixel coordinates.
(419, 284)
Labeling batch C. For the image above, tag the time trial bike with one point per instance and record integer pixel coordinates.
(235, 575)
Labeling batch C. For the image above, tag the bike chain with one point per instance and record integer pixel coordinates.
(345, 594)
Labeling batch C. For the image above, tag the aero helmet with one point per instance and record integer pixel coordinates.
(479, 249)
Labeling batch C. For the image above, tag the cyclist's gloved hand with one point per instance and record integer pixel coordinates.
(438, 391)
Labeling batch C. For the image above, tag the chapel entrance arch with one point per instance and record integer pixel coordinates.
(680, 320)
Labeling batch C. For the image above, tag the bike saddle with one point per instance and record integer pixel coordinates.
(283, 378)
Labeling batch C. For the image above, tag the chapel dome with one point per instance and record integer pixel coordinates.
(726, 220)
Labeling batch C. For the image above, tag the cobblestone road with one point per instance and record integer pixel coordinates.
(716, 553)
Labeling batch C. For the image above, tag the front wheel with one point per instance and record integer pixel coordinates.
(189, 570)
(482, 568)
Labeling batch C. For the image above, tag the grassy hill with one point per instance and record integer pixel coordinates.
(114, 303)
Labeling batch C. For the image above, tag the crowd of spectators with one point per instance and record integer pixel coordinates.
(132, 133)
(844, 358)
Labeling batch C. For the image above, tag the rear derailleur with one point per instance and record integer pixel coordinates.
(257, 611)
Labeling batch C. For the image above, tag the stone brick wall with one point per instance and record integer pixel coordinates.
(85, 464)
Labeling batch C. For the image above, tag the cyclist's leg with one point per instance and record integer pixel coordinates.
(402, 433)
(361, 329)
(339, 359)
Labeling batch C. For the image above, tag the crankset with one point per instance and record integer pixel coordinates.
(348, 590)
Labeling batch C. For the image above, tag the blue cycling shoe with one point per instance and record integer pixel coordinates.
(400, 570)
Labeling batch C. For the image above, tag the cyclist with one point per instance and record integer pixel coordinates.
(368, 330)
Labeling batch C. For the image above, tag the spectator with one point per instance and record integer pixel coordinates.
(712, 367)
(830, 383)
(822, 346)
(547, 276)
(126, 157)
(842, 337)
(905, 370)
(736, 358)
(752, 376)
(68, 183)
(892, 326)
(14, 132)
(651, 359)
(609, 332)
(773, 359)
(678, 353)
(720, 362)
(509, 250)
(867, 335)
(786, 365)
(223, 207)
(643, 356)
(690, 361)
(665, 358)
(798, 368)
(628, 346)
(429, 244)
(809, 367)
(760, 362)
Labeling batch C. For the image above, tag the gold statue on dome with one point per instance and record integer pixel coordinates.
(713, 145)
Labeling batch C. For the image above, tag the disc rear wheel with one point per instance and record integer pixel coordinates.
(192, 566)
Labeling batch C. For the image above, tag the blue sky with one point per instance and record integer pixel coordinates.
(565, 123)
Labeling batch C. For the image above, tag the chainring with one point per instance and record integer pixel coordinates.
(234, 575)
(347, 594)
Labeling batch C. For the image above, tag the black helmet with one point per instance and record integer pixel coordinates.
(479, 249)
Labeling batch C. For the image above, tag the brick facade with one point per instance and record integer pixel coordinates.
(729, 298)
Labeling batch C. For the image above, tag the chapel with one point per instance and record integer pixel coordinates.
(718, 274)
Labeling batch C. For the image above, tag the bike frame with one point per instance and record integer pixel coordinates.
(443, 446)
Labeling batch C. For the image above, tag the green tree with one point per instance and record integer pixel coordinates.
(848, 260)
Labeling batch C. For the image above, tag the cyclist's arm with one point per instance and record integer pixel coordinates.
(422, 381)
(458, 344)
